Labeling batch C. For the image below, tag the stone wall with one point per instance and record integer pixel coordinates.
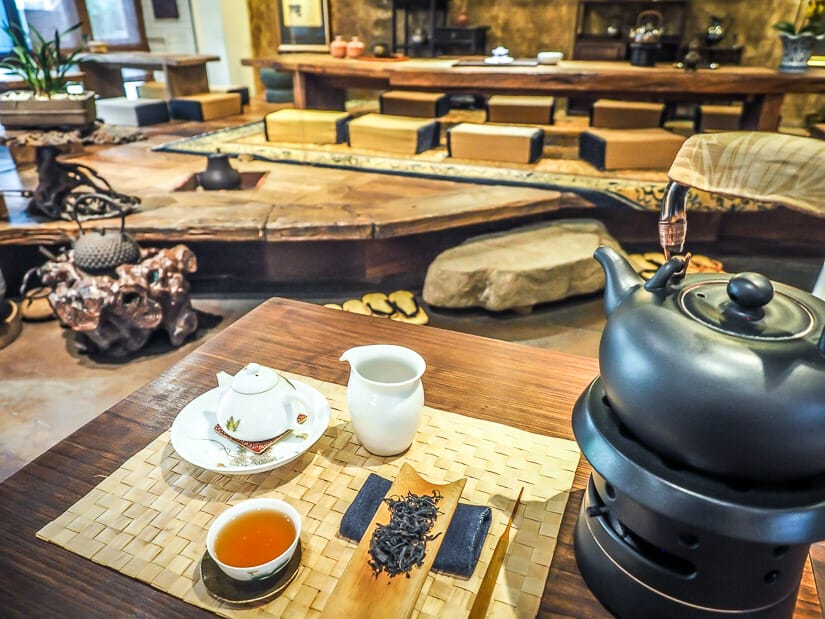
(527, 26)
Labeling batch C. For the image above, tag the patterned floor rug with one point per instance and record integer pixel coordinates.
(559, 168)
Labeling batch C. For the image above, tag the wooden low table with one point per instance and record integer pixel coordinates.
(534, 391)
(321, 81)
(185, 73)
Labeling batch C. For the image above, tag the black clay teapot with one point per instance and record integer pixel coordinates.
(724, 374)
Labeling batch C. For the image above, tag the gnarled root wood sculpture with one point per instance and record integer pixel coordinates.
(116, 313)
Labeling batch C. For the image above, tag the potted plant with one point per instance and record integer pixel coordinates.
(797, 44)
(43, 66)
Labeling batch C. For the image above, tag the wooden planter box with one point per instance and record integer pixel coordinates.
(74, 111)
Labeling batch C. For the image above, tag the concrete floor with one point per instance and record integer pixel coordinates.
(48, 389)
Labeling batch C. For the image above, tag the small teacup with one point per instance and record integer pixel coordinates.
(237, 521)
(549, 57)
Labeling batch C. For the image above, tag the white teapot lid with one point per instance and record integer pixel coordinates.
(254, 378)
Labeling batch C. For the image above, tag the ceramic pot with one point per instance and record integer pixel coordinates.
(381, 49)
(355, 48)
(258, 404)
(219, 173)
(796, 51)
(338, 48)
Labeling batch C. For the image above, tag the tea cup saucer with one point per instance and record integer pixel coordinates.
(226, 589)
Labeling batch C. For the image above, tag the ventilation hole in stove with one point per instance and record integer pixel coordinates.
(610, 491)
(771, 577)
(659, 557)
(779, 551)
(689, 540)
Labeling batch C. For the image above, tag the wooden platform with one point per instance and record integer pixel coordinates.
(307, 223)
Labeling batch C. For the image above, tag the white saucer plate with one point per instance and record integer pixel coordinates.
(195, 440)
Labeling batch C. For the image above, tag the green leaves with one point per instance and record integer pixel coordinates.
(232, 424)
(785, 26)
(43, 67)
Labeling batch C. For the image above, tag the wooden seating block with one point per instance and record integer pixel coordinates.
(206, 106)
(629, 148)
(132, 112)
(306, 126)
(413, 103)
(817, 131)
(240, 89)
(521, 109)
(495, 142)
(397, 134)
(615, 114)
(152, 90)
(717, 118)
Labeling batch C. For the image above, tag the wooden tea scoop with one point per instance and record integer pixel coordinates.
(488, 583)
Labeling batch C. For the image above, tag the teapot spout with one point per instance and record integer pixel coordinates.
(620, 277)
(224, 379)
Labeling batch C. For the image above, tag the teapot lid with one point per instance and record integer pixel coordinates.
(747, 306)
(255, 378)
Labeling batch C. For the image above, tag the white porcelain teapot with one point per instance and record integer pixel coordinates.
(257, 403)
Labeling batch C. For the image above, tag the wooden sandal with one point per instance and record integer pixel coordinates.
(420, 318)
(356, 306)
(404, 301)
(378, 303)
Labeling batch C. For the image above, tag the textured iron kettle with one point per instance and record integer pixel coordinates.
(725, 374)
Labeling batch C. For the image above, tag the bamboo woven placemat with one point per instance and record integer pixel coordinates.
(149, 518)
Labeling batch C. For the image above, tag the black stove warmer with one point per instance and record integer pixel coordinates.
(657, 539)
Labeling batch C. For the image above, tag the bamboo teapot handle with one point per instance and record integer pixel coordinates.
(766, 167)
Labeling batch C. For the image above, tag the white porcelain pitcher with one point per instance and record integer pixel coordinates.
(385, 396)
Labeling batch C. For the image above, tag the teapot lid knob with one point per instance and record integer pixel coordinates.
(751, 290)
(254, 378)
(749, 293)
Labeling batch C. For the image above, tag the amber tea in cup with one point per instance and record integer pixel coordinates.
(255, 538)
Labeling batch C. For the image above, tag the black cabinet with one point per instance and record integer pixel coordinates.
(603, 28)
(461, 40)
(414, 23)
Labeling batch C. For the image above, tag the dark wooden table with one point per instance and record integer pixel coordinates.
(321, 81)
(531, 388)
(185, 73)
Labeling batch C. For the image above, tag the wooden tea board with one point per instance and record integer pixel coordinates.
(359, 593)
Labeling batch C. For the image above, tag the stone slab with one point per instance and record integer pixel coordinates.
(519, 268)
